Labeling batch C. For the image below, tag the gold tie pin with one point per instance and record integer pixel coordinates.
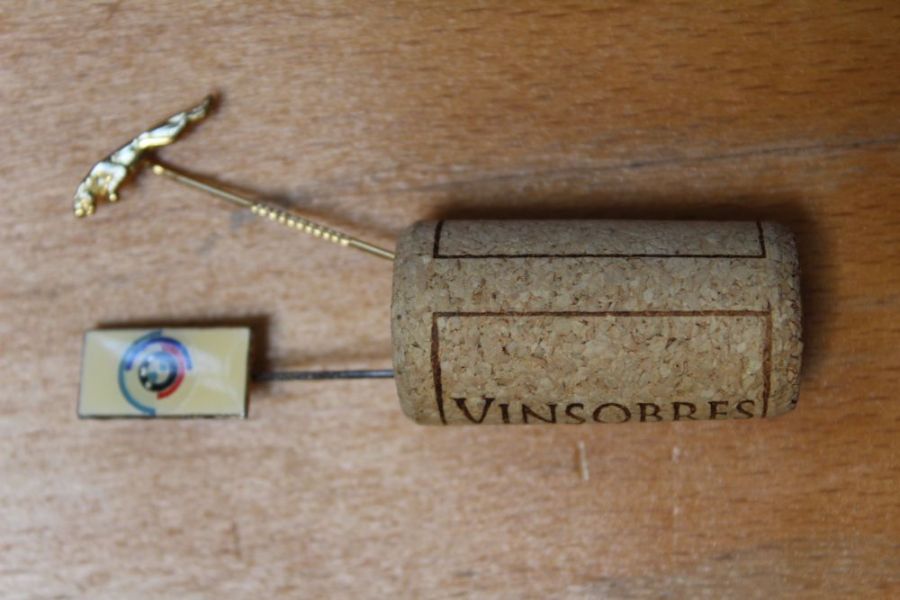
(107, 176)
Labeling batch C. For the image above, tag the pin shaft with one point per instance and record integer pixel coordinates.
(323, 375)
(273, 213)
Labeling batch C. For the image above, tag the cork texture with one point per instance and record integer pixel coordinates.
(571, 322)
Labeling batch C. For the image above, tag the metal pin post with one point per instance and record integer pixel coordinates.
(273, 213)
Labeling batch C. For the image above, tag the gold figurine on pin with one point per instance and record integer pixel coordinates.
(552, 322)
(107, 176)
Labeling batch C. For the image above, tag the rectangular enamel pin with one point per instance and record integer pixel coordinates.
(170, 372)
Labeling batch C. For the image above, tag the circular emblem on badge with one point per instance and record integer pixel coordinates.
(153, 369)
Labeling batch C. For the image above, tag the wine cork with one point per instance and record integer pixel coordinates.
(571, 322)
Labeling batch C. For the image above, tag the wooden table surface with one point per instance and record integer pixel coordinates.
(371, 118)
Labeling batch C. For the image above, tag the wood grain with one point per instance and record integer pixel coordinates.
(373, 117)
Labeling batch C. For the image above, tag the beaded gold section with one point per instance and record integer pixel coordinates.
(299, 223)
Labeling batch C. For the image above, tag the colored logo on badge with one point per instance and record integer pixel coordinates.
(152, 369)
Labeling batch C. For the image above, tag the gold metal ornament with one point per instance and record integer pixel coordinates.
(107, 176)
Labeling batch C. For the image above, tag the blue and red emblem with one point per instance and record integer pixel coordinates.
(152, 369)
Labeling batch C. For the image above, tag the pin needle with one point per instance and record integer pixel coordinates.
(276, 214)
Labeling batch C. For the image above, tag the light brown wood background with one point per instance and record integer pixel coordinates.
(372, 117)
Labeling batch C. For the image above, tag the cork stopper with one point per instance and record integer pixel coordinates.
(570, 322)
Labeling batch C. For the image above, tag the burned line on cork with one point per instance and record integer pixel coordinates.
(439, 227)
